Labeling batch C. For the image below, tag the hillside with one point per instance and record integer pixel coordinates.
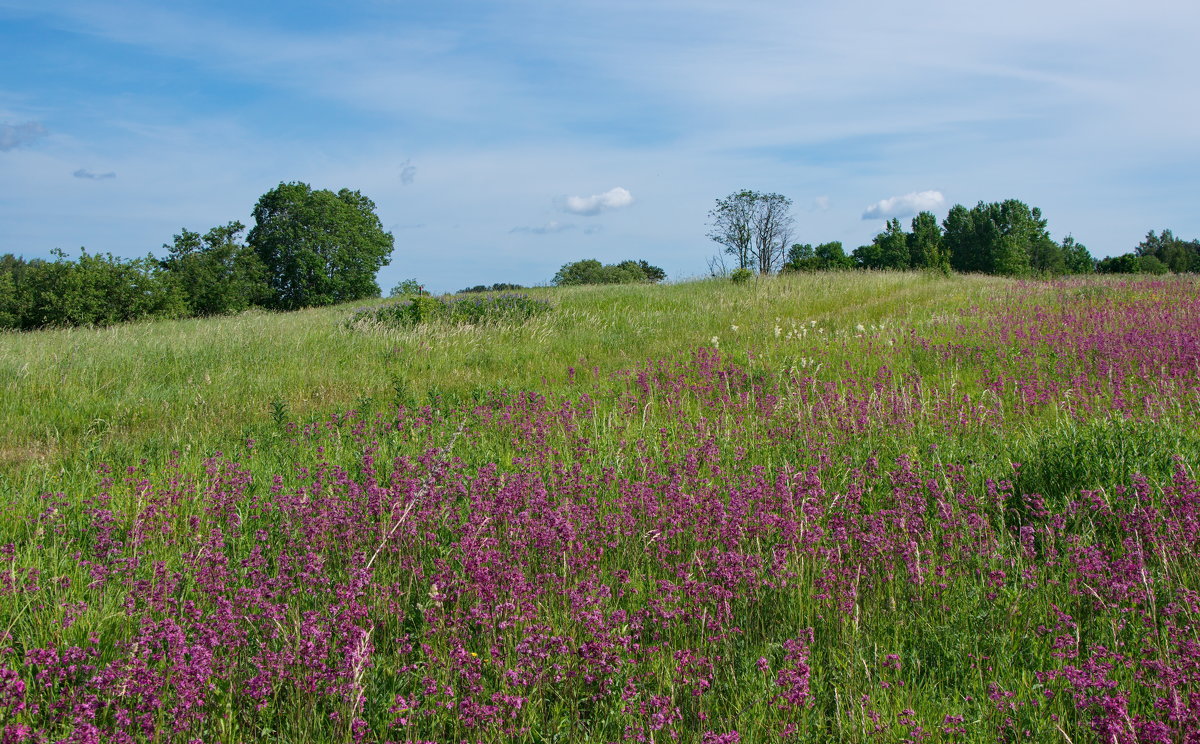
(815, 507)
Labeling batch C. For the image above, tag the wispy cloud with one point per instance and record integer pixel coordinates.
(85, 173)
(15, 135)
(821, 203)
(904, 206)
(408, 172)
(547, 229)
(614, 198)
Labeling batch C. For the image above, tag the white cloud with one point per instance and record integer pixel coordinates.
(14, 135)
(905, 206)
(821, 203)
(85, 173)
(614, 198)
(547, 229)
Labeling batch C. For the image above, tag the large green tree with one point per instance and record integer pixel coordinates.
(319, 247)
(1006, 237)
(1076, 257)
(893, 246)
(925, 244)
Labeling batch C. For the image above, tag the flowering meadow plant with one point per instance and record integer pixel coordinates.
(991, 535)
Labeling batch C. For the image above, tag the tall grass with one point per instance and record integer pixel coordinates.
(861, 507)
(83, 395)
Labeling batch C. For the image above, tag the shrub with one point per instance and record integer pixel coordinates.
(408, 287)
(741, 276)
(505, 308)
(95, 290)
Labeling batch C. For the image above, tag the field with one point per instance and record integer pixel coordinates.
(849, 507)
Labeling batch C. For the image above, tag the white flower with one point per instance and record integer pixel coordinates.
(733, 327)
(716, 341)
(859, 328)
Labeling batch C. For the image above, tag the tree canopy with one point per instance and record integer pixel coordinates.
(319, 247)
(591, 271)
(217, 273)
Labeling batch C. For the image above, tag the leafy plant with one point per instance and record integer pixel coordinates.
(740, 276)
(408, 287)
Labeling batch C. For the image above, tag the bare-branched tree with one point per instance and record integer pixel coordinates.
(754, 228)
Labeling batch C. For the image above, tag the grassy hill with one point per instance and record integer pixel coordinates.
(826, 507)
(144, 389)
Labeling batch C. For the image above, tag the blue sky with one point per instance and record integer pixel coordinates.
(500, 140)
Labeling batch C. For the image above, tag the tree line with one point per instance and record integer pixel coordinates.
(1007, 238)
(591, 271)
(1157, 254)
(307, 248)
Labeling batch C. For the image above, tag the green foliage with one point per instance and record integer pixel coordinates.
(1061, 461)
(319, 248)
(893, 247)
(869, 256)
(654, 274)
(96, 290)
(1132, 263)
(741, 276)
(825, 257)
(926, 248)
(832, 256)
(497, 287)
(1007, 238)
(591, 271)
(8, 300)
(801, 257)
(506, 308)
(1076, 258)
(408, 287)
(1179, 256)
(217, 274)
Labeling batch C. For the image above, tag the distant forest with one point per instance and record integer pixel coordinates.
(1007, 238)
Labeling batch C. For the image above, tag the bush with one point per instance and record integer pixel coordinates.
(741, 276)
(408, 287)
(506, 308)
(96, 290)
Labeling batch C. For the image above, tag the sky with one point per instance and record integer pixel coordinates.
(500, 140)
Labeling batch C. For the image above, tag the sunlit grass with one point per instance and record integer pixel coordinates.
(911, 467)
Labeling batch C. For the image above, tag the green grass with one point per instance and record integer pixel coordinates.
(76, 397)
(73, 399)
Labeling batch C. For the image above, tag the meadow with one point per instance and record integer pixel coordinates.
(854, 507)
